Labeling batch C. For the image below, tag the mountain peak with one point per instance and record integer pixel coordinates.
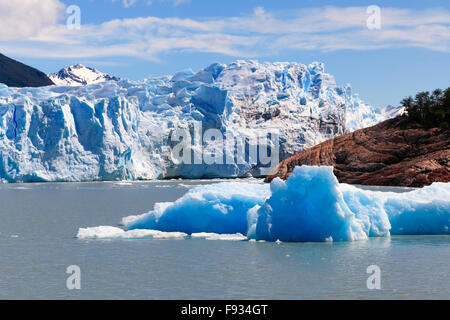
(79, 75)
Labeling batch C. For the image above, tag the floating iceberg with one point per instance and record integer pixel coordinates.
(107, 232)
(216, 236)
(310, 206)
(218, 208)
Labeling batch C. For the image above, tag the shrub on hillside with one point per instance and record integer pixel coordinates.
(429, 109)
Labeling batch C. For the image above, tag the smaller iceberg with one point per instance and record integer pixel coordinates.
(215, 236)
(310, 206)
(106, 232)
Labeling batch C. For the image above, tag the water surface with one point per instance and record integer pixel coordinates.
(37, 243)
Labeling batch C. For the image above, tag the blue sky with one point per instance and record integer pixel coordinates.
(139, 38)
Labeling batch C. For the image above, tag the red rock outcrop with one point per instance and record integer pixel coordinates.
(387, 154)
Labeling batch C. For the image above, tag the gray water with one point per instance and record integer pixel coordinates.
(37, 243)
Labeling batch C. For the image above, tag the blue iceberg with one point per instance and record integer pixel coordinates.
(218, 208)
(310, 206)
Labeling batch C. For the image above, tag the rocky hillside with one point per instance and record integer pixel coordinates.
(16, 74)
(388, 154)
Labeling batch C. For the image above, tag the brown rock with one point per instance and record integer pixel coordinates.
(387, 154)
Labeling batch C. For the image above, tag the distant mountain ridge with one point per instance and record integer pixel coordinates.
(79, 75)
(16, 74)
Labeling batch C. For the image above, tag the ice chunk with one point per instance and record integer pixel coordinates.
(307, 207)
(216, 236)
(105, 232)
(310, 206)
(423, 211)
(218, 208)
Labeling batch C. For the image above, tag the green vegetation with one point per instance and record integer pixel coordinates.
(429, 110)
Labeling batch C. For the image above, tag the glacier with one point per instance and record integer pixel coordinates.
(121, 129)
(311, 206)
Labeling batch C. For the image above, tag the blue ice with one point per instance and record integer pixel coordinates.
(310, 206)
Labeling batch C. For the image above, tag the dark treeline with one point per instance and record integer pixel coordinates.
(428, 109)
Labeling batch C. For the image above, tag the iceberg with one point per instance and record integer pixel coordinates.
(215, 236)
(310, 206)
(218, 208)
(107, 232)
(121, 129)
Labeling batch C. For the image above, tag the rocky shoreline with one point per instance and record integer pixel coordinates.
(390, 153)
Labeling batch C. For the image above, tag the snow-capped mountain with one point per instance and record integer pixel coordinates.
(122, 129)
(79, 75)
(389, 111)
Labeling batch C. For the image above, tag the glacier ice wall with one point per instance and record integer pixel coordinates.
(120, 129)
(310, 206)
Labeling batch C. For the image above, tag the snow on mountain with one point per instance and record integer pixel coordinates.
(122, 129)
(389, 112)
(79, 75)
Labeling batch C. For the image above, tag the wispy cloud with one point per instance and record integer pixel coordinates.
(130, 3)
(258, 34)
(27, 18)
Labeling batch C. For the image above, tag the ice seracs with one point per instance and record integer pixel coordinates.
(79, 75)
(115, 130)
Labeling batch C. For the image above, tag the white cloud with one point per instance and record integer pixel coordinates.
(258, 34)
(27, 18)
(178, 2)
(130, 3)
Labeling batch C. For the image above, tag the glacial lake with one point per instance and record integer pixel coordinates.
(37, 244)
